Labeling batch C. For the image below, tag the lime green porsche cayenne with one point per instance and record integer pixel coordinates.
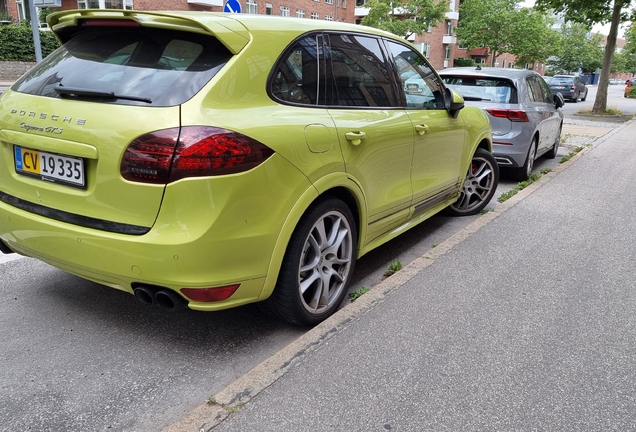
(209, 160)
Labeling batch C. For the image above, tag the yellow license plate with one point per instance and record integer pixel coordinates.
(50, 167)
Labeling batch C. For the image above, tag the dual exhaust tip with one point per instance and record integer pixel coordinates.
(164, 298)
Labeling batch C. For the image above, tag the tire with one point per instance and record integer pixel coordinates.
(576, 98)
(479, 186)
(584, 97)
(523, 173)
(552, 153)
(317, 267)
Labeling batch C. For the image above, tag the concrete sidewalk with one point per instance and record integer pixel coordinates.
(524, 320)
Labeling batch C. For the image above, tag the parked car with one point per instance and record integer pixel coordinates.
(628, 84)
(525, 116)
(213, 160)
(572, 87)
(615, 81)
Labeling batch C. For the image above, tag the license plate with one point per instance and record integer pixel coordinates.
(50, 167)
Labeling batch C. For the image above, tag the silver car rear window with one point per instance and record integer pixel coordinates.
(497, 90)
(137, 66)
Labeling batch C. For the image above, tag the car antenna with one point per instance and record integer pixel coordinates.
(478, 67)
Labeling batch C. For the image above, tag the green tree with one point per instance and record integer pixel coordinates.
(488, 24)
(544, 41)
(629, 50)
(575, 50)
(590, 12)
(405, 18)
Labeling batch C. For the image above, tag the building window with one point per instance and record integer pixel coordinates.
(329, 1)
(251, 6)
(315, 15)
(268, 9)
(424, 48)
(300, 13)
(344, 4)
(447, 52)
(328, 18)
(285, 11)
(105, 4)
(22, 14)
(430, 29)
(449, 28)
(452, 5)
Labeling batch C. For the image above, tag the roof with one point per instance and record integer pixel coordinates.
(489, 72)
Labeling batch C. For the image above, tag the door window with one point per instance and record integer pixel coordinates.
(361, 75)
(420, 86)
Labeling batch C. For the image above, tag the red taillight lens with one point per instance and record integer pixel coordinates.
(148, 158)
(210, 294)
(196, 151)
(207, 151)
(512, 115)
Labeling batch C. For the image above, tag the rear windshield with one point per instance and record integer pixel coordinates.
(132, 66)
(561, 81)
(498, 90)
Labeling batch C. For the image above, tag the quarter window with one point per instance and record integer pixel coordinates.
(296, 79)
(420, 86)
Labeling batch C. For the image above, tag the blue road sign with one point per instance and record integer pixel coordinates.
(232, 6)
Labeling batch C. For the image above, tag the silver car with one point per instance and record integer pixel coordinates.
(524, 114)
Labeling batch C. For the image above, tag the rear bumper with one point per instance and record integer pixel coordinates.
(200, 239)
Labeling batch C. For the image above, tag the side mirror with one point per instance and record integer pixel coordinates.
(558, 100)
(453, 102)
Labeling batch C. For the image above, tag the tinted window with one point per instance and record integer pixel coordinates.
(419, 84)
(296, 78)
(361, 75)
(128, 66)
(481, 88)
(534, 89)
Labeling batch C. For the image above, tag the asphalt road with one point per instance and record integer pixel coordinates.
(79, 356)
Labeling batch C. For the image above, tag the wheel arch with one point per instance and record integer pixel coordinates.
(337, 186)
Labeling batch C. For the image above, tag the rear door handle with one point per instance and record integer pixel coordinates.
(355, 138)
(421, 129)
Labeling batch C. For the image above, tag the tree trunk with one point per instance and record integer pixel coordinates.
(600, 103)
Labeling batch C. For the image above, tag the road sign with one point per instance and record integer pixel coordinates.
(232, 6)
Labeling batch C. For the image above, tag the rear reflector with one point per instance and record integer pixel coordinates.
(195, 151)
(512, 115)
(210, 294)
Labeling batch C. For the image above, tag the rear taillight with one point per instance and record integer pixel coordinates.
(194, 151)
(512, 115)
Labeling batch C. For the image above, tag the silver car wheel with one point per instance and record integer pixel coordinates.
(532, 152)
(479, 185)
(325, 262)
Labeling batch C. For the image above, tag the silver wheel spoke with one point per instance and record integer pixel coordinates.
(325, 263)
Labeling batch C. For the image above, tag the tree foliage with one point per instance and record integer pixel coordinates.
(590, 12)
(405, 18)
(629, 51)
(502, 27)
(16, 42)
(576, 50)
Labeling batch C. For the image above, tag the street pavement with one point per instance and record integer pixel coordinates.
(524, 320)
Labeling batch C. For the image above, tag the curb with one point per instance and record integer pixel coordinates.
(207, 416)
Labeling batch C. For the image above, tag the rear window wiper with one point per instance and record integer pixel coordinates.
(81, 92)
(474, 98)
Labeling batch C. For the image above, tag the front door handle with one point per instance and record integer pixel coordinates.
(355, 138)
(421, 129)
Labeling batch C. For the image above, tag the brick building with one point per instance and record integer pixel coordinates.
(330, 10)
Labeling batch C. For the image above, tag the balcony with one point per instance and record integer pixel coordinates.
(206, 2)
(449, 40)
(361, 11)
(452, 15)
